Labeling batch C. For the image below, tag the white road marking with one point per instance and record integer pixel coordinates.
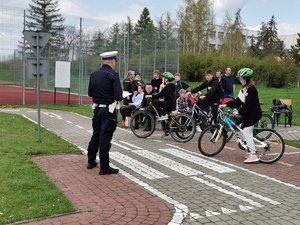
(223, 190)
(240, 168)
(78, 126)
(169, 163)
(243, 190)
(181, 210)
(227, 211)
(138, 167)
(199, 161)
(131, 145)
(69, 122)
(121, 146)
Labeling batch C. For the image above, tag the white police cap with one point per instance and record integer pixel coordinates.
(109, 55)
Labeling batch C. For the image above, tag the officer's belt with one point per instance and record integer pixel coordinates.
(100, 105)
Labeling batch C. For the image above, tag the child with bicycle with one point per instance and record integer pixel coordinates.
(213, 95)
(248, 106)
(182, 104)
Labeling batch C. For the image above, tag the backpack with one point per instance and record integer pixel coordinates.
(277, 104)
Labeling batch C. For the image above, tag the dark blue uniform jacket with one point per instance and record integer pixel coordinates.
(105, 86)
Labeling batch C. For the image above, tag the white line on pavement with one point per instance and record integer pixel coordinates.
(197, 160)
(137, 166)
(169, 163)
(223, 190)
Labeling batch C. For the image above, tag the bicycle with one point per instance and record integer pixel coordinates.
(202, 118)
(181, 127)
(266, 122)
(269, 144)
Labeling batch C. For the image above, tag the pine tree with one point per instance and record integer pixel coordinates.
(268, 42)
(145, 24)
(44, 16)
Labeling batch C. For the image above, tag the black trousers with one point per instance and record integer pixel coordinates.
(126, 110)
(104, 125)
(162, 107)
(214, 108)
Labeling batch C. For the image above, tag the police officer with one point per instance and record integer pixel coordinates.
(105, 89)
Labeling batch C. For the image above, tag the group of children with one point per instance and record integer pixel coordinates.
(168, 96)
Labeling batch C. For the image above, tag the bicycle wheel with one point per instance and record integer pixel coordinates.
(182, 127)
(212, 140)
(142, 124)
(265, 122)
(269, 145)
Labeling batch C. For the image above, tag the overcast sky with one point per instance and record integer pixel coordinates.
(253, 13)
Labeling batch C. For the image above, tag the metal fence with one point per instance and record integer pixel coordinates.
(143, 53)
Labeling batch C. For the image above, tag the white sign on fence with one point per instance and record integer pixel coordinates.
(62, 74)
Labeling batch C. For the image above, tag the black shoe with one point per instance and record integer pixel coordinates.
(147, 129)
(91, 165)
(109, 171)
(165, 134)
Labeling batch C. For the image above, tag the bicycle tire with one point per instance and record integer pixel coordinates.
(274, 148)
(207, 143)
(266, 122)
(141, 120)
(184, 127)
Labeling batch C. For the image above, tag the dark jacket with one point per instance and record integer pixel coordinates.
(104, 86)
(128, 85)
(156, 84)
(213, 94)
(180, 85)
(250, 110)
(168, 93)
(145, 100)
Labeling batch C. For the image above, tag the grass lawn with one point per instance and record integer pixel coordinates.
(25, 191)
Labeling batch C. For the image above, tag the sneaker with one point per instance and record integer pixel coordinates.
(251, 159)
(247, 155)
(162, 118)
(198, 128)
(122, 122)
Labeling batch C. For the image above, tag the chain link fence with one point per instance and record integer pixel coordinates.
(142, 53)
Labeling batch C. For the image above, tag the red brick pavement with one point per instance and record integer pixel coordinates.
(108, 199)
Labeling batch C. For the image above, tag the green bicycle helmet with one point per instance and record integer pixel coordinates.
(245, 72)
(169, 76)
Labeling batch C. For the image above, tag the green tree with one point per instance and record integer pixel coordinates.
(144, 30)
(234, 41)
(268, 43)
(144, 24)
(295, 51)
(44, 16)
(196, 24)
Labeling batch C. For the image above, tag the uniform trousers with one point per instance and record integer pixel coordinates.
(104, 125)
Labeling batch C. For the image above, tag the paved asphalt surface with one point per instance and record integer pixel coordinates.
(183, 186)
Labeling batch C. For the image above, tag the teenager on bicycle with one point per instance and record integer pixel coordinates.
(248, 106)
(168, 94)
(212, 96)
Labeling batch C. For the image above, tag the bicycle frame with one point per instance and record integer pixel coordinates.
(232, 126)
(200, 113)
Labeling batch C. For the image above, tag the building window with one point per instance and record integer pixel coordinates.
(220, 35)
